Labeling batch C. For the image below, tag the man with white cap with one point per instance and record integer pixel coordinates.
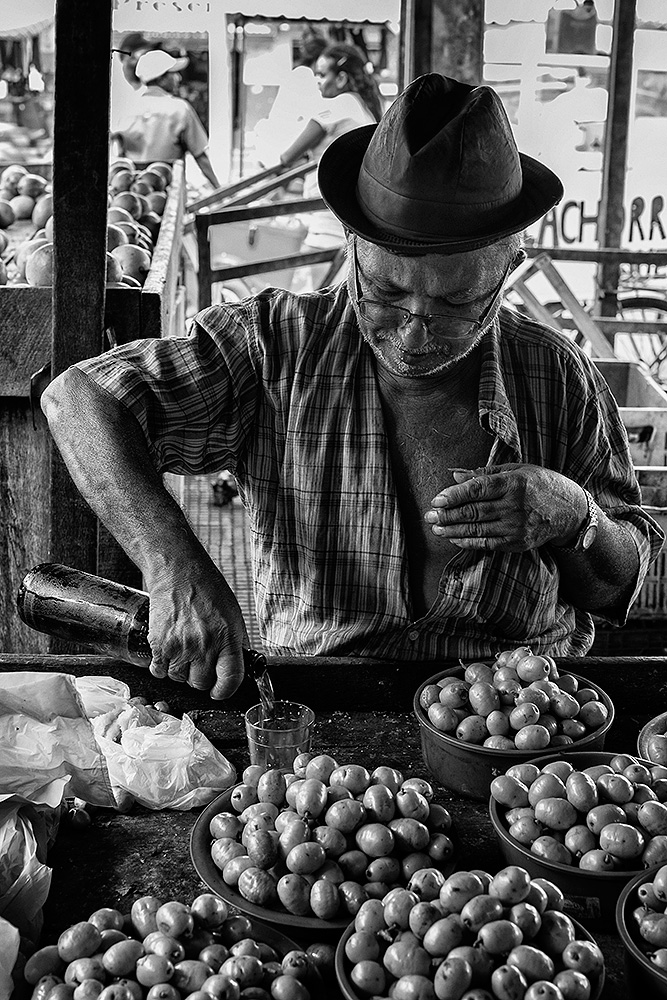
(428, 475)
(158, 125)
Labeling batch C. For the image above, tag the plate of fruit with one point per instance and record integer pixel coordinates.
(170, 949)
(305, 848)
(652, 741)
(504, 935)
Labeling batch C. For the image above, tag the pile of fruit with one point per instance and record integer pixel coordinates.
(651, 919)
(479, 936)
(136, 199)
(518, 702)
(169, 951)
(604, 818)
(320, 840)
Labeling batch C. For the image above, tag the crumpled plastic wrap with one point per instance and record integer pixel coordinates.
(27, 830)
(162, 761)
(45, 733)
(84, 738)
(9, 950)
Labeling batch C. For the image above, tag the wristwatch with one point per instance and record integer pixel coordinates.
(588, 530)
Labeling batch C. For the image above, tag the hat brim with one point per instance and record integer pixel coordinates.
(338, 173)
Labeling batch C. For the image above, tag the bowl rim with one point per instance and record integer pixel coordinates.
(558, 866)
(211, 876)
(491, 752)
(646, 875)
(347, 987)
(644, 734)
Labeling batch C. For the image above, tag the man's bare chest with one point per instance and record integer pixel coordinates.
(427, 438)
(426, 441)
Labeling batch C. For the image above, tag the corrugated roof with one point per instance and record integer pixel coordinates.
(200, 15)
(378, 11)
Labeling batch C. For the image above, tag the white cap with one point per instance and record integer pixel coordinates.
(155, 63)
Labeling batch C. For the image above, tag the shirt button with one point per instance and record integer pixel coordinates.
(413, 636)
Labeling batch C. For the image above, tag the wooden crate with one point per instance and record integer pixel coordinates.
(651, 602)
(643, 405)
(25, 446)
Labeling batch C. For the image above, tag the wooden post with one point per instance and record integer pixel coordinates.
(458, 39)
(80, 168)
(442, 36)
(610, 222)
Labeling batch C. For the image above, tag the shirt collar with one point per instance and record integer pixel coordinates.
(495, 411)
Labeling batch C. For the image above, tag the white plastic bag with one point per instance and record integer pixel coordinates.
(100, 694)
(45, 733)
(164, 762)
(27, 830)
(9, 950)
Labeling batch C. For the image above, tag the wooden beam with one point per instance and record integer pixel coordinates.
(457, 39)
(442, 36)
(80, 167)
(610, 219)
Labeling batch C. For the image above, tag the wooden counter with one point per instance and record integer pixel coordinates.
(364, 714)
(155, 310)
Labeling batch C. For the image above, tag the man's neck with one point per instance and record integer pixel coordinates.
(461, 378)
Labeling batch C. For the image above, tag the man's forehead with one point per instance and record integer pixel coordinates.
(473, 263)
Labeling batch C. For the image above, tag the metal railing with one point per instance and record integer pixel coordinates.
(245, 201)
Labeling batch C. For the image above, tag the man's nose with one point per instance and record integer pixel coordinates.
(415, 332)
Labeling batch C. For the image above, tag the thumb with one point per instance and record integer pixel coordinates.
(229, 674)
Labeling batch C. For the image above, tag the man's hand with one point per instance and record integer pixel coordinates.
(510, 507)
(196, 630)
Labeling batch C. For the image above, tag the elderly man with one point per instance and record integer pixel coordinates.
(427, 475)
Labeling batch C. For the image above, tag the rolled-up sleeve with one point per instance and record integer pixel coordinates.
(194, 397)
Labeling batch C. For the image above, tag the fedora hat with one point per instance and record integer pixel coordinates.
(440, 173)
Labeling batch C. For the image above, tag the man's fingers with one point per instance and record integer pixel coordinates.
(157, 667)
(229, 673)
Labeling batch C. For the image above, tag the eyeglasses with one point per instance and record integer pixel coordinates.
(449, 326)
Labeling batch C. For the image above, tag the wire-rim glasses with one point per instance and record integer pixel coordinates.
(448, 326)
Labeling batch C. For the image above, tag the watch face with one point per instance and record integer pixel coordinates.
(589, 536)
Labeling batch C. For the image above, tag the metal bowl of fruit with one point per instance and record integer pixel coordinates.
(642, 927)
(304, 849)
(453, 948)
(477, 720)
(652, 740)
(587, 821)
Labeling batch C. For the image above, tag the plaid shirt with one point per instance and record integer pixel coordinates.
(282, 390)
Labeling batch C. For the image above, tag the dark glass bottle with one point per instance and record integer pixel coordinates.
(108, 617)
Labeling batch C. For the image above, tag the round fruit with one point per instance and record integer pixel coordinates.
(39, 265)
(23, 206)
(79, 941)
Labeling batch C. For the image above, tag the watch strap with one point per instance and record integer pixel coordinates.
(590, 521)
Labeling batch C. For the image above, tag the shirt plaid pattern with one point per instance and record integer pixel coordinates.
(281, 389)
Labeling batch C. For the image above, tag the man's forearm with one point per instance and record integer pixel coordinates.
(106, 454)
(206, 168)
(604, 575)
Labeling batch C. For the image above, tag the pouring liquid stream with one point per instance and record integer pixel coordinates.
(256, 661)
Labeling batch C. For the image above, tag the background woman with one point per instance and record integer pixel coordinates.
(351, 98)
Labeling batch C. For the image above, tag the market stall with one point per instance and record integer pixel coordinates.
(364, 708)
(142, 852)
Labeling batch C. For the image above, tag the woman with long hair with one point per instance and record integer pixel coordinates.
(351, 98)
